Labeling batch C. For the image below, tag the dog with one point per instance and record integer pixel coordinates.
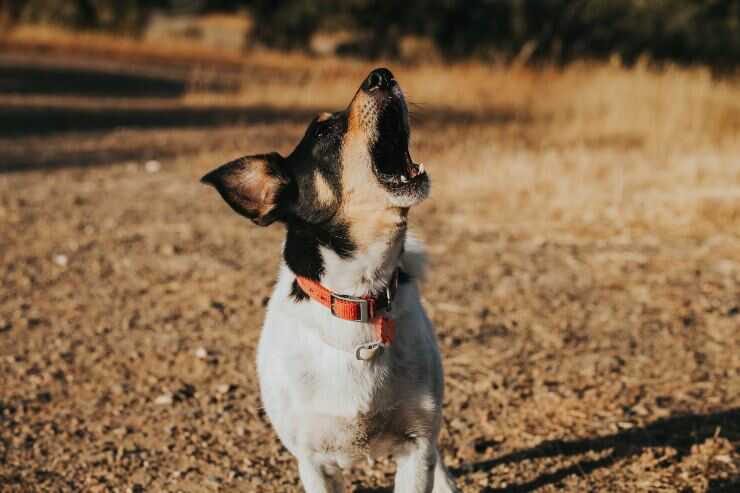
(348, 362)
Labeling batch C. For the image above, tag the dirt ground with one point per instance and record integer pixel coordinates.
(586, 294)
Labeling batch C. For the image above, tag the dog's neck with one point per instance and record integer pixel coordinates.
(369, 271)
(356, 260)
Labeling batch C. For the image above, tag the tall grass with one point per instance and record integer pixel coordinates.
(589, 149)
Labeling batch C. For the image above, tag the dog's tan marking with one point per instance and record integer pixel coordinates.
(250, 185)
(324, 193)
(323, 116)
(365, 204)
(260, 184)
(362, 115)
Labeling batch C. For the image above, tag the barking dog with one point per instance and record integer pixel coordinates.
(348, 361)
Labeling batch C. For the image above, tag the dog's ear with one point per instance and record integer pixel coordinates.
(254, 186)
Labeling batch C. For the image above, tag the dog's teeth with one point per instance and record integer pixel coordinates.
(421, 169)
(404, 179)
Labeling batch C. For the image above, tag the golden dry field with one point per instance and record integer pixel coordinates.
(584, 241)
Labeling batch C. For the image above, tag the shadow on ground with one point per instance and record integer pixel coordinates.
(24, 79)
(678, 432)
(98, 99)
(19, 120)
(25, 120)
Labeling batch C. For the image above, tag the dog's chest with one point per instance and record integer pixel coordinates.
(358, 424)
(328, 402)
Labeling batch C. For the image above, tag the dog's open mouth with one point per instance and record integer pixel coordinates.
(393, 164)
(408, 174)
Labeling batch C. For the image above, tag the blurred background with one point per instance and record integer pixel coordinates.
(556, 31)
(583, 232)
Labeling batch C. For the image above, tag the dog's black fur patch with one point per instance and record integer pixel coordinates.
(301, 250)
(313, 223)
(318, 152)
(297, 293)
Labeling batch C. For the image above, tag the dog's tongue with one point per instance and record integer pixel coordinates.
(413, 169)
(416, 169)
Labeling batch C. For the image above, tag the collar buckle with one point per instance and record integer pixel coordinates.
(360, 302)
(389, 299)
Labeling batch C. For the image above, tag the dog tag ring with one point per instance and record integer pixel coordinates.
(366, 352)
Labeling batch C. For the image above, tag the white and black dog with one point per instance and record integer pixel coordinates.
(348, 361)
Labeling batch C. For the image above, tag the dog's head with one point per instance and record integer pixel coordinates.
(358, 157)
(348, 179)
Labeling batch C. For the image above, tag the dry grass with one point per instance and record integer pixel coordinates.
(599, 146)
(676, 108)
(592, 147)
(673, 108)
(65, 43)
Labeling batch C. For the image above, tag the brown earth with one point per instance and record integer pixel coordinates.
(585, 283)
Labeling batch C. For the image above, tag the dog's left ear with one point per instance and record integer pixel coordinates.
(254, 186)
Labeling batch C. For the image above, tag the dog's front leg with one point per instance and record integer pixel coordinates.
(317, 478)
(415, 471)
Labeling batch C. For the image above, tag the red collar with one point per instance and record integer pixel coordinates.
(364, 309)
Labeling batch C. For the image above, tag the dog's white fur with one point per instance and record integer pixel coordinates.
(330, 409)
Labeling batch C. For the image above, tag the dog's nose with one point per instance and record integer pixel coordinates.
(380, 78)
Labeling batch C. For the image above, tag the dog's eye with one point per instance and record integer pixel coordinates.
(322, 130)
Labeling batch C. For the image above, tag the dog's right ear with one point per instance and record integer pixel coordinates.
(254, 186)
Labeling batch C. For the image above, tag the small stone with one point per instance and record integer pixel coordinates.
(60, 259)
(164, 400)
(201, 353)
(187, 391)
(167, 250)
(44, 397)
(224, 388)
(152, 166)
